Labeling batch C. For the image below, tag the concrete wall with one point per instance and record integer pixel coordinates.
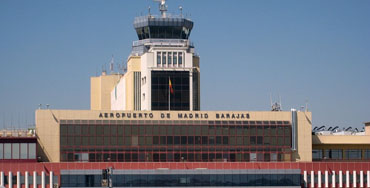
(100, 91)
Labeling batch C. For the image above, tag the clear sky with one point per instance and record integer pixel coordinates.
(316, 51)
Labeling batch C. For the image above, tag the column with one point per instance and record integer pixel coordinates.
(333, 180)
(361, 178)
(18, 179)
(326, 179)
(347, 178)
(368, 178)
(312, 179)
(305, 178)
(51, 179)
(340, 179)
(10, 183)
(34, 179)
(354, 183)
(26, 182)
(319, 178)
(2, 178)
(43, 179)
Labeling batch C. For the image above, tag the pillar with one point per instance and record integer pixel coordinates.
(354, 179)
(361, 178)
(312, 179)
(340, 179)
(34, 179)
(18, 179)
(43, 179)
(305, 178)
(319, 178)
(51, 179)
(326, 179)
(26, 182)
(333, 180)
(2, 178)
(10, 182)
(347, 178)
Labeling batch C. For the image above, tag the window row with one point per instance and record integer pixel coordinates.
(184, 180)
(78, 141)
(175, 157)
(169, 59)
(128, 130)
(340, 154)
(169, 122)
(17, 151)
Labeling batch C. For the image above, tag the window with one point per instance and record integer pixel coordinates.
(353, 154)
(174, 58)
(316, 154)
(158, 58)
(31, 151)
(15, 151)
(367, 153)
(1, 151)
(24, 151)
(333, 154)
(169, 58)
(164, 58)
(180, 58)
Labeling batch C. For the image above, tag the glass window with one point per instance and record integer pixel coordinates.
(353, 154)
(158, 58)
(15, 151)
(164, 58)
(24, 150)
(1, 151)
(180, 58)
(316, 154)
(32, 151)
(174, 58)
(169, 58)
(367, 154)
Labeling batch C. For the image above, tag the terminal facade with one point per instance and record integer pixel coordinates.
(145, 128)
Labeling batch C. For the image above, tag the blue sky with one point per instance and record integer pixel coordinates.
(315, 51)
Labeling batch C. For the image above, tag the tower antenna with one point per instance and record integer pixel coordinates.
(162, 7)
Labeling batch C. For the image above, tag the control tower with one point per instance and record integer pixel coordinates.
(162, 69)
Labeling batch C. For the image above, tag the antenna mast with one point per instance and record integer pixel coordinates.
(162, 7)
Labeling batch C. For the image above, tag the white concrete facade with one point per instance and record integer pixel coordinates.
(149, 62)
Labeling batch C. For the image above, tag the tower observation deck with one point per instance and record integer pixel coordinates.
(161, 30)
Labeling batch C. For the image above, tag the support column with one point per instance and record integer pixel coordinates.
(305, 178)
(354, 183)
(319, 178)
(333, 180)
(2, 178)
(368, 178)
(361, 178)
(340, 179)
(26, 182)
(10, 182)
(51, 183)
(312, 179)
(347, 178)
(43, 179)
(34, 179)
(326, 179)
(18, 179)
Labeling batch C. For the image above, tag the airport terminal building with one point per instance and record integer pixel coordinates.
(145, 128)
